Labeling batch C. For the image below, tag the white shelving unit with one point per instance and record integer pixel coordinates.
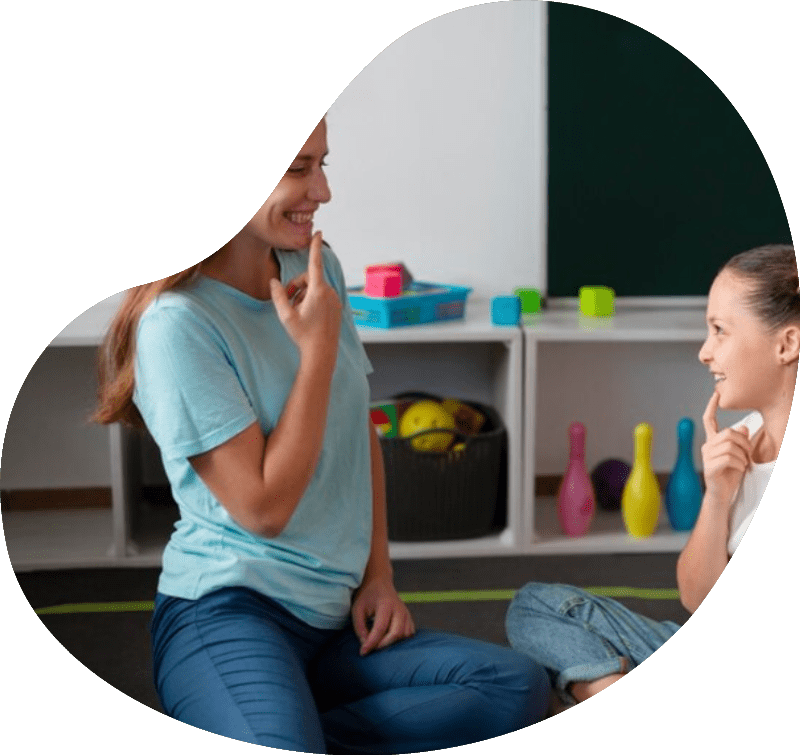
(54, 539)
(541, 532)
(469, 358)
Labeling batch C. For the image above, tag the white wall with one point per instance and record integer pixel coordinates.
(49, 441)
(438, 153)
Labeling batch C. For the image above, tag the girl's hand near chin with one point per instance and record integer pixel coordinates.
(727, 455)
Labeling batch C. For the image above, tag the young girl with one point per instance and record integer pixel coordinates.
(276, 620)
(586, 642)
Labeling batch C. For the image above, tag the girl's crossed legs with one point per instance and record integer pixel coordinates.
(579, 637)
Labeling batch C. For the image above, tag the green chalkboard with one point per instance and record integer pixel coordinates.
(654, 178)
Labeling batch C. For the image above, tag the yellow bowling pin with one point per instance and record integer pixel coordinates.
(641, 497)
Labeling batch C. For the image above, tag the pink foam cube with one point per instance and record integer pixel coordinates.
(397, 267)
(383, 283)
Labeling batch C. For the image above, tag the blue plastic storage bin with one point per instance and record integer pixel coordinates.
(419, 303)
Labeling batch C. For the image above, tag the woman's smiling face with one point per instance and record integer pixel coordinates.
(285, 221)
(740, 351)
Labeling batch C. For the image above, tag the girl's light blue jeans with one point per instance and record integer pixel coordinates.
(237, 664)
(578, 636)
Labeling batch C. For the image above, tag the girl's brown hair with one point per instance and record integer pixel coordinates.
(116, 358)
(771, 272)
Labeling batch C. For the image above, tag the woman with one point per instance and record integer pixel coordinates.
(276, 620)
(586, 642)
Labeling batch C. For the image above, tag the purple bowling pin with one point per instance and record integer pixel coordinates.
(576, 499)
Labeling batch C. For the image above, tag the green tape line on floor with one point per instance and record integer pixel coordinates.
(446, 596)
(119, 607)
(466, 596)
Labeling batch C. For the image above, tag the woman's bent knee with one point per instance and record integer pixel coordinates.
(537, 684)
(521, 690)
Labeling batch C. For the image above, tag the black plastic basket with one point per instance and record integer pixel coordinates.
(447, 496)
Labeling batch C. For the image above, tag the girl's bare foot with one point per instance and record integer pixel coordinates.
(584, 690)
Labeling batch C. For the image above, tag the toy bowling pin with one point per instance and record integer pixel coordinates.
(576, 499)
(684, 494)
(641, 498)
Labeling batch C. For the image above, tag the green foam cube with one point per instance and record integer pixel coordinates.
(596, 301)
(530, 298)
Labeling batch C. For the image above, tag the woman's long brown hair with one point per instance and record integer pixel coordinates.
(116, 358)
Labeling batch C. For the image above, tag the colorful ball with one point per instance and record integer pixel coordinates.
(427, 415)
(609, 478)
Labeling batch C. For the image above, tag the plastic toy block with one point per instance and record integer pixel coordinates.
(531, 299)
(596, 301)
(393, 267)
(506, 310)
(384, 283)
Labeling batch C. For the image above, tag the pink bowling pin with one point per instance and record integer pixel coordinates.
(576, 499)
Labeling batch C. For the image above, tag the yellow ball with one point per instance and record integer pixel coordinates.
(427, 415)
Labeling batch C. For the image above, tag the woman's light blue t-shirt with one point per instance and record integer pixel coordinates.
(210, 361)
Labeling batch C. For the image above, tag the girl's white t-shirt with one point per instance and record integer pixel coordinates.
(750, 491)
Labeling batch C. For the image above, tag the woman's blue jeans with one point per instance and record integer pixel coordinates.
(237, 664)
(578, 636)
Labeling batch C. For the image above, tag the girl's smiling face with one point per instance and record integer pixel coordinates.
(741, 353)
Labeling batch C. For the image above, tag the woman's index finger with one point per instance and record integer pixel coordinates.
(710, 416)
(315, 273)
